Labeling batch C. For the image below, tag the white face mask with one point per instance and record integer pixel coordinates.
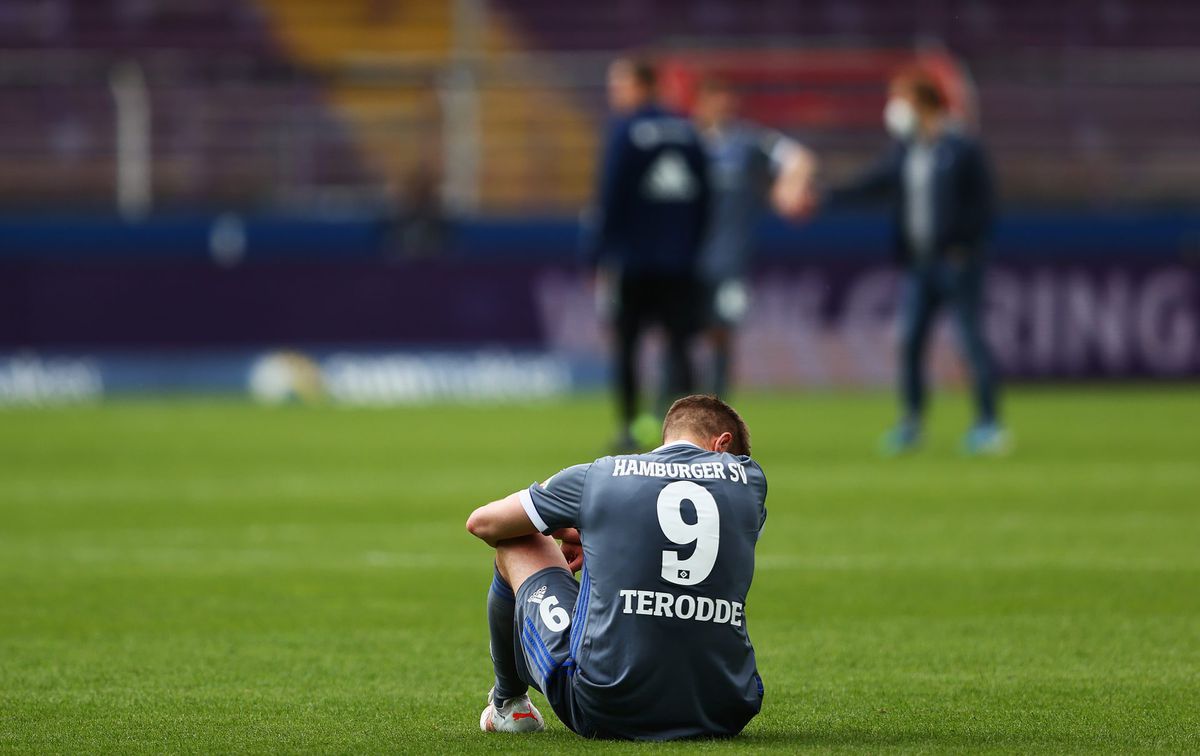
(899, 118)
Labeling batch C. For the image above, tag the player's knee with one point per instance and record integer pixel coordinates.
(477, 525)
(518, 558)
(529, 547)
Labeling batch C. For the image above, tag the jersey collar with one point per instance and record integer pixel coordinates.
(680, 442)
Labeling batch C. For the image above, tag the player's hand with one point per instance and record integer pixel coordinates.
(786, 198)
(573, 553)
(795, 200)
(572, 547)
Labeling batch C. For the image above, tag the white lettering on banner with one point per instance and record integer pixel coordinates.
(867, 324)
(1097, 316)
(31, 379)
(1005, 317)
(404, 378)
(814, 326)
(1078, 322)
(1043, 322)
(683, 606)
(1166, 325)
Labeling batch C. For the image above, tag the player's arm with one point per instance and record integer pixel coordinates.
(500, 521)
(876, 183)
(607, 220)
(795, 169)
(553, 508)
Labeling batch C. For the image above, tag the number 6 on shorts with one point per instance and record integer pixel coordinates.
(554, 616)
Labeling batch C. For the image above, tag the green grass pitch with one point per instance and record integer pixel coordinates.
(209, 576)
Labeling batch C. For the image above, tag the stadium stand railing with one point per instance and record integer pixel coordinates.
(305, 104)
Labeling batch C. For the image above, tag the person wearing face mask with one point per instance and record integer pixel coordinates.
(938, 184)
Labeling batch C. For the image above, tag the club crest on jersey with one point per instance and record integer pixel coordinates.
(684, 574)
(537, 596)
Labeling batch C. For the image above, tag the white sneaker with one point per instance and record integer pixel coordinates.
(516, 715)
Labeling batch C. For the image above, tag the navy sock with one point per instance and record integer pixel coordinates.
(501, 606)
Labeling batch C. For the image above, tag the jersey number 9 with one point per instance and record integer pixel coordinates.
(705, 532)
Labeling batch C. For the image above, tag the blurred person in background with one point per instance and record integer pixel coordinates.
(645, 235)
(938, 183)
(751, 168)
(420, 227)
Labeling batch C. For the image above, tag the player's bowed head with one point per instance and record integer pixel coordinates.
(707, 422)
(700, 419)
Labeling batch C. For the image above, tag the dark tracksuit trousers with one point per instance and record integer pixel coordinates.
(928, 286)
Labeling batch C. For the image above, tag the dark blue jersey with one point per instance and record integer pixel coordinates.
(654, 196)
(668, 537)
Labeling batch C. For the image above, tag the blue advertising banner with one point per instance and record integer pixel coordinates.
(371, 329)
(533, 332)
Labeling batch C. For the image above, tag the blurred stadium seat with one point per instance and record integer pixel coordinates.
(295, 102)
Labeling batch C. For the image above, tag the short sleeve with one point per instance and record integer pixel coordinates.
(758, 480)
(557, 502)
(776, 148)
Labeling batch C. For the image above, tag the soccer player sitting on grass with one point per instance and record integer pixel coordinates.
(651, 643)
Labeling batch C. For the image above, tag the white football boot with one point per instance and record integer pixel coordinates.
(516, 715)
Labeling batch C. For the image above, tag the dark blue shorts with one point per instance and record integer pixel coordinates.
(547, 638)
